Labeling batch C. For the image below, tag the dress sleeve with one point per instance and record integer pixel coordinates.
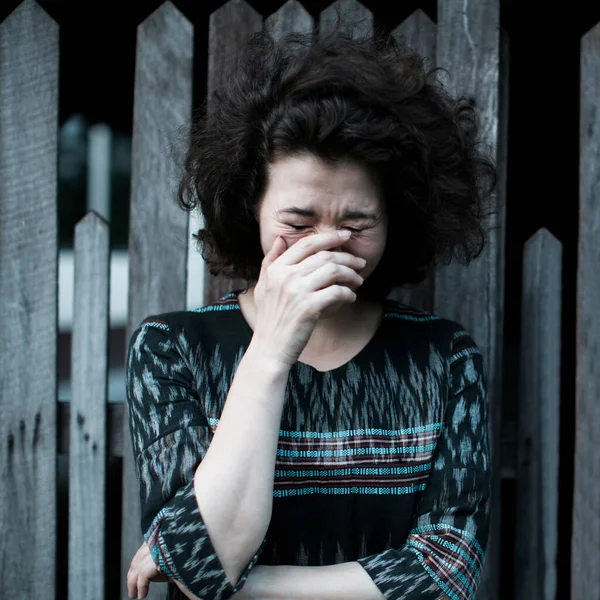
(444, 552)
(170, 435)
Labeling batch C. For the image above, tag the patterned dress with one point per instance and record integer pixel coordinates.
(383, 460)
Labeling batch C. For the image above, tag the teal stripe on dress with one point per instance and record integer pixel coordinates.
(452, 568)
(456, 550)
(446, 527)
(463, 353)
(326, 435)
(153, 538)
(354, 452)
(443, 586)
(229, 296)
(215, 308)
(415, 318)
(360, 471)
(371, 491)
(459, 334)
(157, 324)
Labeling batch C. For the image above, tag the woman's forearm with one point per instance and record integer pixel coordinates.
(234, 481)
(346, 581)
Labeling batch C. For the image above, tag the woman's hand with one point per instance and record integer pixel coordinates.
(142, 571)
(297, 285)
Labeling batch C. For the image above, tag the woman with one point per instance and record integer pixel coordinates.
(308, 437)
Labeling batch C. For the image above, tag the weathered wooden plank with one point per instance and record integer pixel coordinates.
(539, 414)
(229, 28)
(585, 553)
(418, 31)
(500, 429)
(158, 227)
(353, 15)
(89, 371)
(467, 45)
(291, 17)
(28, 302)
(114, 428)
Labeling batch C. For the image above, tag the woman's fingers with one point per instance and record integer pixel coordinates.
(132, 581)
(311, 244)
(142, 572)
(333, 274)
(143, 583)
(323, 299)
(277, 249)
(131, 584)
(312, 263)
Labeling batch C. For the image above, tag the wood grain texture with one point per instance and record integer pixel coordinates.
(114, 428)
(158, 227)
(28, 302)
(355, 17)
(468, 46)
(539, 414)
(419, 32)
(89, 372)
(585, 572)
(291, 17)
(505, 463)
(229, 28)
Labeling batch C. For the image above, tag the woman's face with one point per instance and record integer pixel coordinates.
(305, 196)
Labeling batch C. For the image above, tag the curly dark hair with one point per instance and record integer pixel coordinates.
(339, 97)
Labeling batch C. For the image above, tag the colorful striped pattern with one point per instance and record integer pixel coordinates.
(228, 302)
(396, 461)
(155, 543)
(452, 556)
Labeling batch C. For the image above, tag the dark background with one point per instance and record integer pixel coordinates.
(97, 51)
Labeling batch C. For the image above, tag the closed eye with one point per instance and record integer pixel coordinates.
(303, 227)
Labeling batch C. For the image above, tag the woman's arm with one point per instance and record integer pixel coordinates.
(346, 581)
(202, 540)
(206, 499)
(234, 482)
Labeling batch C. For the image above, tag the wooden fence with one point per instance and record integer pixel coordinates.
(35, 428)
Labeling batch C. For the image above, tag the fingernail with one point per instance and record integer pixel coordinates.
(362, 261)
(345, 233)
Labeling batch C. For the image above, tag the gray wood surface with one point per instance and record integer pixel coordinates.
(89, 371)
(539, 415)
(229, 28)
(358, 18)
(504, 432)
(158, 227)
(114, 428)
(585, 572)
(291, 17)
(28, 302)
(468, 44)
(419, 32)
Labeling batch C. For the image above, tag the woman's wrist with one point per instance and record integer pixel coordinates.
(268, 357)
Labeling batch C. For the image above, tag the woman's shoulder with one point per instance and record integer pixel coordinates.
(212, 323)
(429, 326)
